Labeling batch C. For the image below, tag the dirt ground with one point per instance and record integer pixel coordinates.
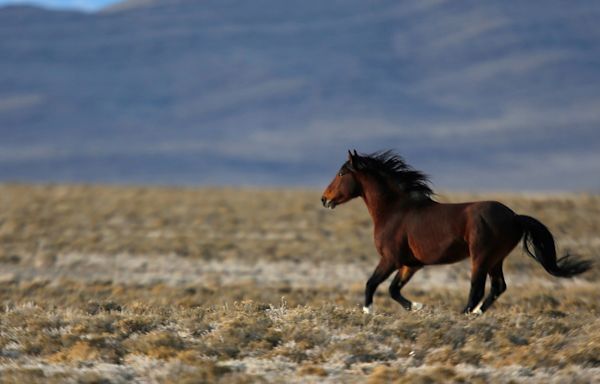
(187, 285)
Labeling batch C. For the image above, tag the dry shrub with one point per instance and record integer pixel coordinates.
(442, 355)
(80, 351)
(100, 324)
(587, 356)
(244, 334)
(584, 351)
(9, 258)
(308, 335)
(23, 375)
(94, 347)
(135, 324)
(291, 351)
(159, 344)
(358, 349)
(93, 378)
(312, 370)
(41, 344)
(383, 374)
(436, 374)
(93, 307)
(447, 355)
(202, 371)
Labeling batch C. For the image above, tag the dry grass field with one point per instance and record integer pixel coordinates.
(174, 285)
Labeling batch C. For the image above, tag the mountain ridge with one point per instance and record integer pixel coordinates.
(486, 96)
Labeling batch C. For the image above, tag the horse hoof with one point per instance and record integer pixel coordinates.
(368, 310)
(416, 306)
(475, 311)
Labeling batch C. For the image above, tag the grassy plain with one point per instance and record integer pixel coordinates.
(120, 284)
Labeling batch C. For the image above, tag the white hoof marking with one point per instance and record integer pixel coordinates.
(368, 310)
(477, 310)
(416, 306)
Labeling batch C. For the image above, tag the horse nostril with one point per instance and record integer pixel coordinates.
(323, 200)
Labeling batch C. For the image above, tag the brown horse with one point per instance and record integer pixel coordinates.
(412, 230)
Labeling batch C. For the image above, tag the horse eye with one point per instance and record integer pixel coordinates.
(341, 173)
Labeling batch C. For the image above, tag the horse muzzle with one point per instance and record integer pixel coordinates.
(328, 203)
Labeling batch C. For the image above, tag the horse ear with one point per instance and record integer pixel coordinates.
(352, 160)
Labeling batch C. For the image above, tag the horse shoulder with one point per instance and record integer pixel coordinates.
(383, 236)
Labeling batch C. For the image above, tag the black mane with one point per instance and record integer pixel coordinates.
(393, 166)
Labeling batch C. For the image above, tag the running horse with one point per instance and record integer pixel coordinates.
(411, 230)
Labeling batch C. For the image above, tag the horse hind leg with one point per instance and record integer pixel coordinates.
(498, 286)
(478, 277)
(402, 277)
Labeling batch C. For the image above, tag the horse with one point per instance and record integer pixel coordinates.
(412, 230)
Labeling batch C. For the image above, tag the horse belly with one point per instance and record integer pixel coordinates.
(441, 253)
(455, 251)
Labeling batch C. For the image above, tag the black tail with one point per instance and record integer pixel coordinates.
(544, 251)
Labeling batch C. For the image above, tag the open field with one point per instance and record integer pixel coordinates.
(116, 284)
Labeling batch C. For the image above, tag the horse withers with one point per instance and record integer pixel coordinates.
(412, 230)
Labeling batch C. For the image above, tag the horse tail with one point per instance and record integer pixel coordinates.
(536, 235)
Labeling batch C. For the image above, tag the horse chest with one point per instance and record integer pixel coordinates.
(393, 247)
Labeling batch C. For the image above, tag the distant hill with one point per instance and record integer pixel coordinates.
(484, 95)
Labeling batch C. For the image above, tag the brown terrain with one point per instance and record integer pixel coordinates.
(176, 285)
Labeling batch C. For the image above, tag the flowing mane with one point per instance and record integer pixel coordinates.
(393, 167)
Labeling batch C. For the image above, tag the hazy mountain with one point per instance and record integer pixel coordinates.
(478, 94)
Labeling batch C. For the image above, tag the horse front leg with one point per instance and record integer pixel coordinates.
(402, 277)
(383, 270)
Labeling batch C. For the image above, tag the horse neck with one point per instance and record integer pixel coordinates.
(378, 197)
(382, 199)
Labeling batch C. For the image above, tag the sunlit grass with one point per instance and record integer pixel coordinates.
(99, 284)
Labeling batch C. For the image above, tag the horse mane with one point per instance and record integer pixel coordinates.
(394, 167)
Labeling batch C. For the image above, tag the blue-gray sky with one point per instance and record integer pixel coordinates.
(63, 4)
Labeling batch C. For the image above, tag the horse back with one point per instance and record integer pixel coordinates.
(444, 233)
